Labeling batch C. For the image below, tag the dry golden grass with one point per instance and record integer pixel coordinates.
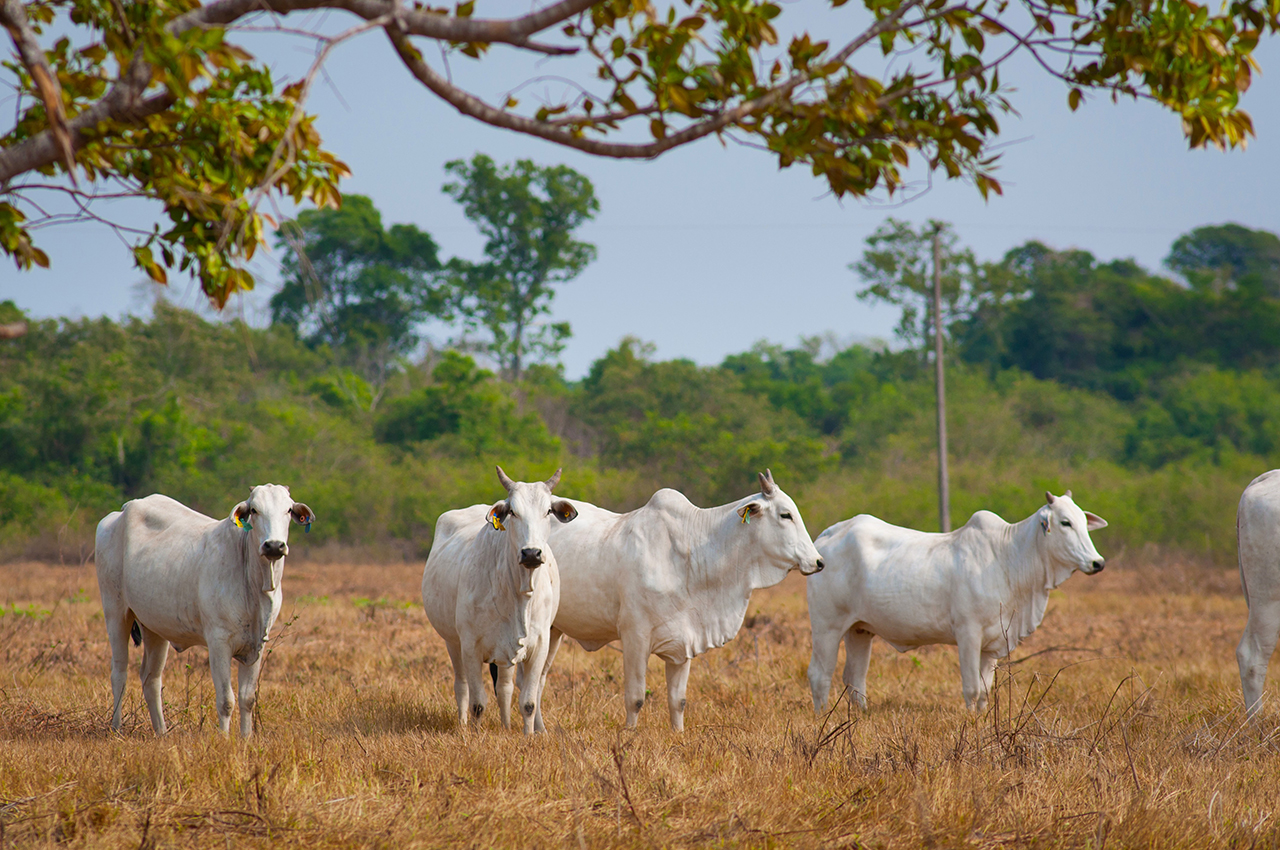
(1121, 728)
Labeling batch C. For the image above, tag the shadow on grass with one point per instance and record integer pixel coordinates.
(394, 715)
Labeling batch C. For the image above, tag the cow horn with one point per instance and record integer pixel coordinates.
(504, 479)
(1068, 494)
(554, 480)
(766, 482)
(1048, 497)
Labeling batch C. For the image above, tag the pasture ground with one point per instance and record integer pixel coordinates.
(1118, 724)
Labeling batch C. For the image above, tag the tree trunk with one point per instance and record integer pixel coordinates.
(944, 488)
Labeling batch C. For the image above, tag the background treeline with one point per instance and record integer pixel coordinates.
(1156, 401)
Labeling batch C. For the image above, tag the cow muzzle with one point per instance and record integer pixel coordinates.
(274, 550)
(531, 558)
(1096, 566)
(816, 567)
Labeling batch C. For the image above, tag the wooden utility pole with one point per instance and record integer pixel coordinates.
(944, 489)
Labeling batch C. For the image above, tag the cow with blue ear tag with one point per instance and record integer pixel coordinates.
(490, 588)
(170, 576)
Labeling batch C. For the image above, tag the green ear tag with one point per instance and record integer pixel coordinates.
(242, 523)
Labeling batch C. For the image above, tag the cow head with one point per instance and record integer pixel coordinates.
(1065, 529)
(525, 516)
(777, 528)
(265, 517)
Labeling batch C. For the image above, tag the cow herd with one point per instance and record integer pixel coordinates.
(504, 584)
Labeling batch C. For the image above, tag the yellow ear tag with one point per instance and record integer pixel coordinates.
(497, 523)
(745, 513)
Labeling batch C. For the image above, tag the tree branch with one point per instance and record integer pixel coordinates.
(13, 16)
(513, 31)
(123, 101)
(469, 104)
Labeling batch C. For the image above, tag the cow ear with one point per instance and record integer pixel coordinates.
(1049, 497)
(240, 511)
(497, 514)
(1094, 521)
(302, 514)
(749, 510)
(564, 511)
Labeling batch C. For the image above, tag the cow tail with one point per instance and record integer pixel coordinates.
(493, 673)
(135, 633)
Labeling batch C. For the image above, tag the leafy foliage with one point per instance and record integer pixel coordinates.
(527, 214)
(153, 99)
(898, 269)
(467, 405)
(1228, 256)
(1155, 402)
(357, 287)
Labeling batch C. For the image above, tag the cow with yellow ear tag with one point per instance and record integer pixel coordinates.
(491, 589)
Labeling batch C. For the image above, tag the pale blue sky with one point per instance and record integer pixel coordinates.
(712, 247)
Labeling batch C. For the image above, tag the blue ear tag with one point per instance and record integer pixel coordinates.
(307, 527)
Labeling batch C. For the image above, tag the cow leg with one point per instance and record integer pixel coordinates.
(223, 697)
(155, 650)
(475, 670)
(1256, 646)
(553, 646)
(969, 646)
(635, 661)
(118, 636)
(502, 690)
(857, 658)
(531, 689)
(988, 673)
(460, 693)
(677, 682)
(822, 663)
(248, 678)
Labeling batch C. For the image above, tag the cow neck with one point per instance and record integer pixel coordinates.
(253, 573)
(1032, 575)
(506, 587)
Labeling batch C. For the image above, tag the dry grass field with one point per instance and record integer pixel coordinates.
(1117, 725)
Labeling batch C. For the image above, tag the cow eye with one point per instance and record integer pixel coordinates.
(1067, 523)
(785, 514)
(253, 510)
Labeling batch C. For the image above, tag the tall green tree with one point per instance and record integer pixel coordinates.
(897, 269)
(1228, 256)
(156, 100)
(527, 214)
(356, 286)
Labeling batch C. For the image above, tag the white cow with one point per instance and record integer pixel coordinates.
(1258, 536)
(491, 589)
(170, 575)
(982, 588)
(672, 579)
